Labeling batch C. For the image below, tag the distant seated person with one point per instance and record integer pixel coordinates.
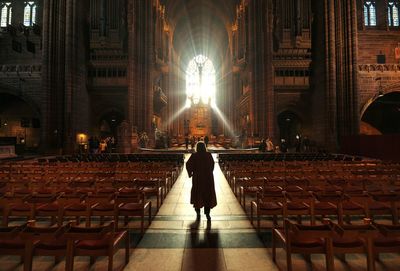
(283, 146)
(270, 145)
(262, 147)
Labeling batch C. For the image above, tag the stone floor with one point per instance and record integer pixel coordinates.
(175, 241)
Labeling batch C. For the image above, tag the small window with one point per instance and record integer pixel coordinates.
(369, 13)
(393, 13)
(6, 12)
(29, 13)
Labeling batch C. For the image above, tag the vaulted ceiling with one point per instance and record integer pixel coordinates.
(200, 26)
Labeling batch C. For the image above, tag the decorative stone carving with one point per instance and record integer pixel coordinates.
(379, 67)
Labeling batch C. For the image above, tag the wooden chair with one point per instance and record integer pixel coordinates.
(356, 239)
(43, 241)
(17, 206)
(388, 240)
(41, 201)
(131, 203)
(151, 188)
(95, 242)
(384, 204)
(10, 241)
(101, 205)
(298, 204)
(249, 187)
(306, 240)
(327, 204)
(72, 205)
(268, 203)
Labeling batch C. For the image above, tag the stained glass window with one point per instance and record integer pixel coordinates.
(29, 13)
(369, 13)
(393, 13)
(200, 81)
(6, 13)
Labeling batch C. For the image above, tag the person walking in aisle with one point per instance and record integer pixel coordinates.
(200, 166)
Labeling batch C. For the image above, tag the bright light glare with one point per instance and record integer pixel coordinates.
(200, 81)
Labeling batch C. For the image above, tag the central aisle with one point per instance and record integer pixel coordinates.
(175, 242)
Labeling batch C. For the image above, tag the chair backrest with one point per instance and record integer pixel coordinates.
(129, 195)
(294, 230)
(45, 234)
(90, 233)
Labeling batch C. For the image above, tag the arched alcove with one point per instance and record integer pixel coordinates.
(383, 114)
(290, 126)
(19, 121)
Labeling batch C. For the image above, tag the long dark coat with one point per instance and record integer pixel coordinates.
(201, 165)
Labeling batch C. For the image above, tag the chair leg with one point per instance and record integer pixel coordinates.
(273, 241)
(289, 260)
(28, 256)
(110, 262)
(370, 255)
(57, 259)
(149, 213)
(251, 213)
(69, 262)
(92, 260)
(127, 245)
(341, 257)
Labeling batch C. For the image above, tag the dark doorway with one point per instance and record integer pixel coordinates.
(289, 127)
(109, 123)
(384, 113)
(19, 123)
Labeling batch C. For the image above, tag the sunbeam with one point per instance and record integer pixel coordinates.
(224, 120)
(175, 116)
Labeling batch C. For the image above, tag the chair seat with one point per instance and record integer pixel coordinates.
(305, 242)
(150, 189)
(297, 206)
(270, 206)
(12, 244)
(51, 246)
(51, 207)
(131, 206)
(386, 242)
(104, 207)
(378, 206)
(22, 207)
(253, 189)
(99, 244)
(75, 207)
(324, 206)
(347, 242)
(351, 206)
(293, 188)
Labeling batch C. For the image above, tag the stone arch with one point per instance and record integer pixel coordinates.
(290, 125)
(20, 120)
(382, 115)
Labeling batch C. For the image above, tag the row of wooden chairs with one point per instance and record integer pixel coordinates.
(157, 186)
(70, 240)
(277, 204)
(330, 239)
(127, 202)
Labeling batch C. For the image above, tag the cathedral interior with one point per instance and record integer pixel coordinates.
(319, 78)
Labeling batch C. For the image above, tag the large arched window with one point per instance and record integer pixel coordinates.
(29, 13)
(369, 13)
(393, 13)
(200, 81)
(6, 13)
